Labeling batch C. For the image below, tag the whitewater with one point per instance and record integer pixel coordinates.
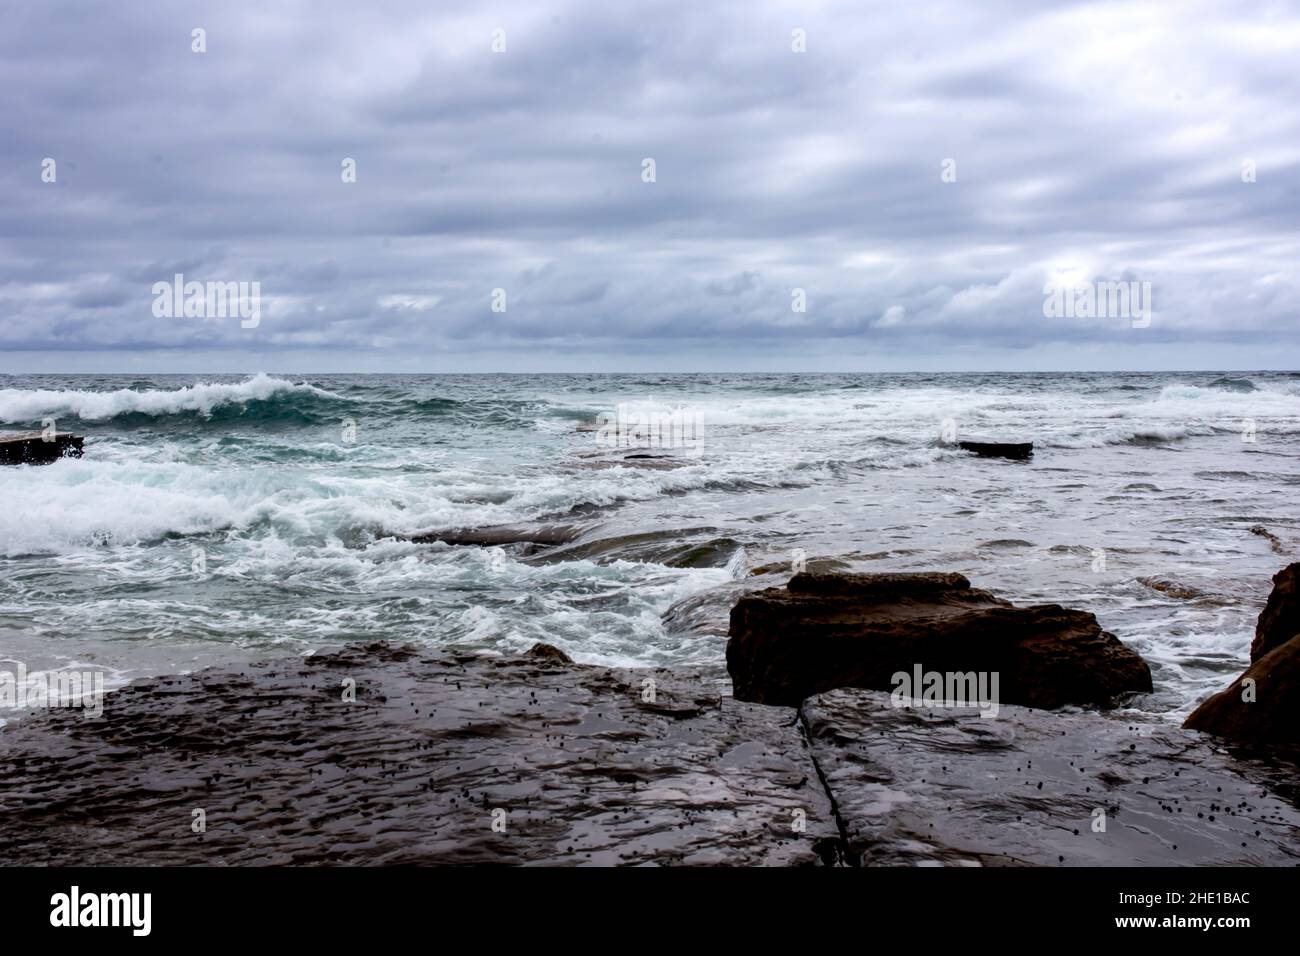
(221, 518)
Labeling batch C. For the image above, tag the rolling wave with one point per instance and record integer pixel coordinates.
(261, 399)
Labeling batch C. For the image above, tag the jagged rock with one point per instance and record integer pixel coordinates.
(1264, 711)
(1280, 619)
(931, 785)
(857, 630)
(578, 764)
(1263, 704)
(548, 652)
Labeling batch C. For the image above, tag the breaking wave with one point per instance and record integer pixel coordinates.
(261, 399)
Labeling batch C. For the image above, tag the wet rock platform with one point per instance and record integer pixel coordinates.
(437, 760)
(534, 760)
(931, 786)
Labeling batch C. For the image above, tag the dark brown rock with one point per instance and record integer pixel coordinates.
(1185, 592)
(35, 449)
(1280, 619)
(1267, 710)
(1262, 706)
(1273, 540)
(828, 631)
(889, 585)
(548, 652)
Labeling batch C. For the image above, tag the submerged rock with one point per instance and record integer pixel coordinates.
(650, 462)
(674, 547)
(824, 631)
(811, 565)
(1273, 540)
(1184, 592)
(545, 534)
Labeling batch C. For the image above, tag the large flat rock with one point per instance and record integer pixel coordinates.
(824, 631)
(581, 768)
(930, 786)
(584, 769)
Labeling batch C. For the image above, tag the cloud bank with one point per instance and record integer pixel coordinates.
(911, 174)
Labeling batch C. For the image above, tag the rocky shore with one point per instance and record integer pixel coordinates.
(385, 754)
(1263, 704)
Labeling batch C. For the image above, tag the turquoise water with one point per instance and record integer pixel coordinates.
(217, 517)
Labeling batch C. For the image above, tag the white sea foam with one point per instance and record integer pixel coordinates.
(30, 405)
(293, 521)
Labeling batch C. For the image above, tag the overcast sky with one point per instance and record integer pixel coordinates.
(1089, 141)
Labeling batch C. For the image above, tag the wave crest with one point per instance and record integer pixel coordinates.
(261, 398)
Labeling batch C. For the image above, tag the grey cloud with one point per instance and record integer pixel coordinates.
(1103, 140)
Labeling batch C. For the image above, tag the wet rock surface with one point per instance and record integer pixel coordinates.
(1185, 592)
(548, 652)
(926, 786)
(1260, 706)
(673, 547)
(575, 762)
(824, 631)
(1279, 622)
(581, 765)
(1263, 704)
(545, 534)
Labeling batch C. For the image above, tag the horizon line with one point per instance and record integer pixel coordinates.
(1046, 371)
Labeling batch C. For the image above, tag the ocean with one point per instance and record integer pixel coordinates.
(220, 518)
